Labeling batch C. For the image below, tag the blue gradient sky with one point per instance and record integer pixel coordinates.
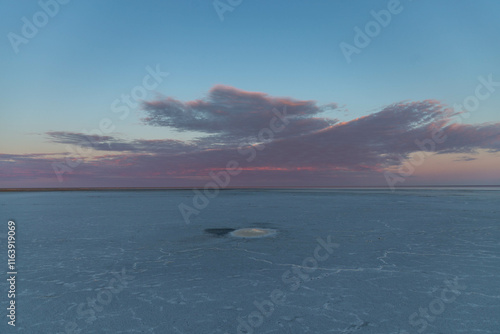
(91, 52)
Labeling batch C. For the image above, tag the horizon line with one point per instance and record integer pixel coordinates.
(236, 188)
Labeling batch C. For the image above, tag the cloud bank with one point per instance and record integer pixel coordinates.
(229, 124)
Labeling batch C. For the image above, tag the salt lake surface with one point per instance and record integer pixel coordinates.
(338, 261)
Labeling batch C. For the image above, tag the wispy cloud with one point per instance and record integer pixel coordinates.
(465, 158)
(110, 143)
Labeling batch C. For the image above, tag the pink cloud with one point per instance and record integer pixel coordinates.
(311, 149)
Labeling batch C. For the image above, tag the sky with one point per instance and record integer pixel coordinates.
(238, 93)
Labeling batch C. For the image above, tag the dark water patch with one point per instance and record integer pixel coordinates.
(219, 232)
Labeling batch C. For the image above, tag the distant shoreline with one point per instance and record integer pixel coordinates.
(237, 188)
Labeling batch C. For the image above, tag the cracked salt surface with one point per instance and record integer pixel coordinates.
(397, 253)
